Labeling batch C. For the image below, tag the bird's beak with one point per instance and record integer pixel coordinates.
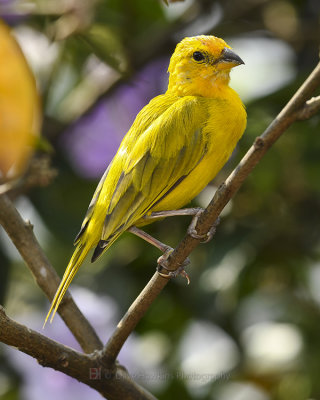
(228, 59)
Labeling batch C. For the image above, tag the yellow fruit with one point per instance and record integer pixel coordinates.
(19, 107)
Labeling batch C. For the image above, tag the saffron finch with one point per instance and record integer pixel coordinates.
(174, 148)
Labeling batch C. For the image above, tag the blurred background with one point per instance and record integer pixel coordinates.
(248, 325)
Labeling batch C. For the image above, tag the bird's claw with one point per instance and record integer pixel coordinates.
(163, 263)
(205, 238)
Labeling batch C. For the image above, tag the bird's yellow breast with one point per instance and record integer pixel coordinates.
(224, 127)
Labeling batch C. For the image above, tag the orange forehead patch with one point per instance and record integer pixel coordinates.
(211, 44)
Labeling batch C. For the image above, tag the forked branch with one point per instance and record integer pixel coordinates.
(113, 382)
(77, 365)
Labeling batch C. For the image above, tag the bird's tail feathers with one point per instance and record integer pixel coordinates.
(76, 260)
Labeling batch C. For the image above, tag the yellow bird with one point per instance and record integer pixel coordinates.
(174, 148)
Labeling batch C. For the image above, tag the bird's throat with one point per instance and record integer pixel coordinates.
(182, 84)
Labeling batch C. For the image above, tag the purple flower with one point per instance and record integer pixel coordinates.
(9, 11)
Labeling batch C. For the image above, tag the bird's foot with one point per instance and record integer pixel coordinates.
(163, 265)
(205, 238)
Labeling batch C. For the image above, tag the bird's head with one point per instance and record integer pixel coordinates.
(200, 65)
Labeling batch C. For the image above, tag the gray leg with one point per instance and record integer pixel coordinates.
(172, 213)
(148, 238)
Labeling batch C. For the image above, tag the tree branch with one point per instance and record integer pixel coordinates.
(299, 107)
(21, 234)
(113, 383)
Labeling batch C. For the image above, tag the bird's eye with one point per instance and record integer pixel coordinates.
(198, 56)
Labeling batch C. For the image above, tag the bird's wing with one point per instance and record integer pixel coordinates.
(161, 157)
(144, 119)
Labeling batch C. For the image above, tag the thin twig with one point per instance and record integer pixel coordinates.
(112, 383)
(21, 234)
(289, 114)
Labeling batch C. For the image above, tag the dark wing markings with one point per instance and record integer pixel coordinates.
(88, 215)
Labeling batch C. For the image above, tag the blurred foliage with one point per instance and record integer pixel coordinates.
(260, 275)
